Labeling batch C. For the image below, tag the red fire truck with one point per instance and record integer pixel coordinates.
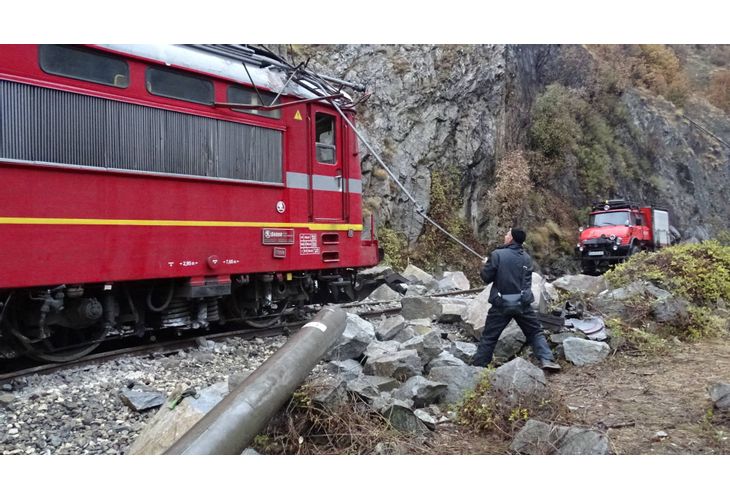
(618, 229)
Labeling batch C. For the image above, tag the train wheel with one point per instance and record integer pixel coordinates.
(61, 346)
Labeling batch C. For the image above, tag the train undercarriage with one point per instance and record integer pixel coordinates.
(68, 322)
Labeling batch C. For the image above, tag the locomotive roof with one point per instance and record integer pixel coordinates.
(268, 76)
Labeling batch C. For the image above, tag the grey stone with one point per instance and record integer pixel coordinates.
(428, 346)
(458, 380)
(444, 359)
(375, 272)
(381, 383)
(520, 380)
(389, 448)
(175, 418)
(611, 302)
(539, 438)
(670, 310)
(328, 391)
(453, 281)
(377, 349)
(585, 352)
(354, 340)
(510, 343)
(428, 420)
(421, 326)
(6, 399)
(559, 338)
(7, 387)
(417, 275)
(236, 379)
(390, 327)
(465, 351)
(384, 293)
(348, 369)
(581, 284)
(363, 388)
(720, 394)
(420, 307)
(421, 391)
(452, 312)
(402, 418)
(250, 451)
(405, 335)
(476, 313)
(416, 290)
(400, 365)
(141, 399)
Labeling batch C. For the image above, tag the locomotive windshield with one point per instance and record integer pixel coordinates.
(609, 219)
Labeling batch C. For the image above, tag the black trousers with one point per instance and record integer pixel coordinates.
(497, 321)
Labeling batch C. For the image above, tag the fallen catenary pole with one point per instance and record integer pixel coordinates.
(233, 423)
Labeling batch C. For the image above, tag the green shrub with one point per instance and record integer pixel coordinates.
(395, 247)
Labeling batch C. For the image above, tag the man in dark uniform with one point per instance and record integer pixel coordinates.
(509, 268)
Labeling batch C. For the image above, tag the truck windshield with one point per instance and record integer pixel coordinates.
(609, 219)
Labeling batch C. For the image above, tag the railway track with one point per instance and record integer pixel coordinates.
(175, 345)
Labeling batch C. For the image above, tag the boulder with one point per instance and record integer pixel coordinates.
(416, 290)
(421, 391)
(354, 340)
(458, 380)
(476, 313)
(453, 281)
(421, 326)
(419, 276)
(465, 351)
(581, 284)
(427, 346)
(381, 383)
(363, 388)
(451, 312)
(405, 334)
(559, 338)
(386, 399)
(384, 293)
(390, 327)
(376, 349)
(539, 438)
(670, 310)
(348, 369)
(175, 418)
(585, 352)
(444, 359)
(428, 420)
(402, 418)
(141, 399)
(420, 307)
(520, 380)
(510, 343)
(399, 365)
(328, 391)
(720, 394)
(376, 272)
(612, 301)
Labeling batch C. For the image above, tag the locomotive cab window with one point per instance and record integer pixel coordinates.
(243, 95)
(325, 138)
(84, 64)
(168, 83)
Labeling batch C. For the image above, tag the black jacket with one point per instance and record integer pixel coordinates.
(510, 269)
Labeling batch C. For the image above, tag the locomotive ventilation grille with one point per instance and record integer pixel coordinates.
(46, 125)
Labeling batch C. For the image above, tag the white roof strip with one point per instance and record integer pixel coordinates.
(269, 78)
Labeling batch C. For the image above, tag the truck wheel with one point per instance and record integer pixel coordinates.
(634, 250)
(589, 268)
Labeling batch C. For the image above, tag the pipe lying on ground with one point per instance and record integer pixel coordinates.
(233, 423)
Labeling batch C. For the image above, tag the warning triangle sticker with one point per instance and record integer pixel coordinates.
(297, 115)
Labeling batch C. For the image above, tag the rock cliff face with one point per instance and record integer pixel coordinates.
(463, 107)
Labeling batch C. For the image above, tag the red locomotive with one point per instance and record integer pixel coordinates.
(147, 186)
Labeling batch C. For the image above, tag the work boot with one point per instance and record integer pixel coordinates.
(550, 366)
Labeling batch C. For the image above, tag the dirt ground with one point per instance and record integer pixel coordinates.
(632, 399)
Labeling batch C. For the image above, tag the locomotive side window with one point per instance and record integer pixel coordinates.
(243, 95)
(169, 83)
(83, 64)
(325, 138)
